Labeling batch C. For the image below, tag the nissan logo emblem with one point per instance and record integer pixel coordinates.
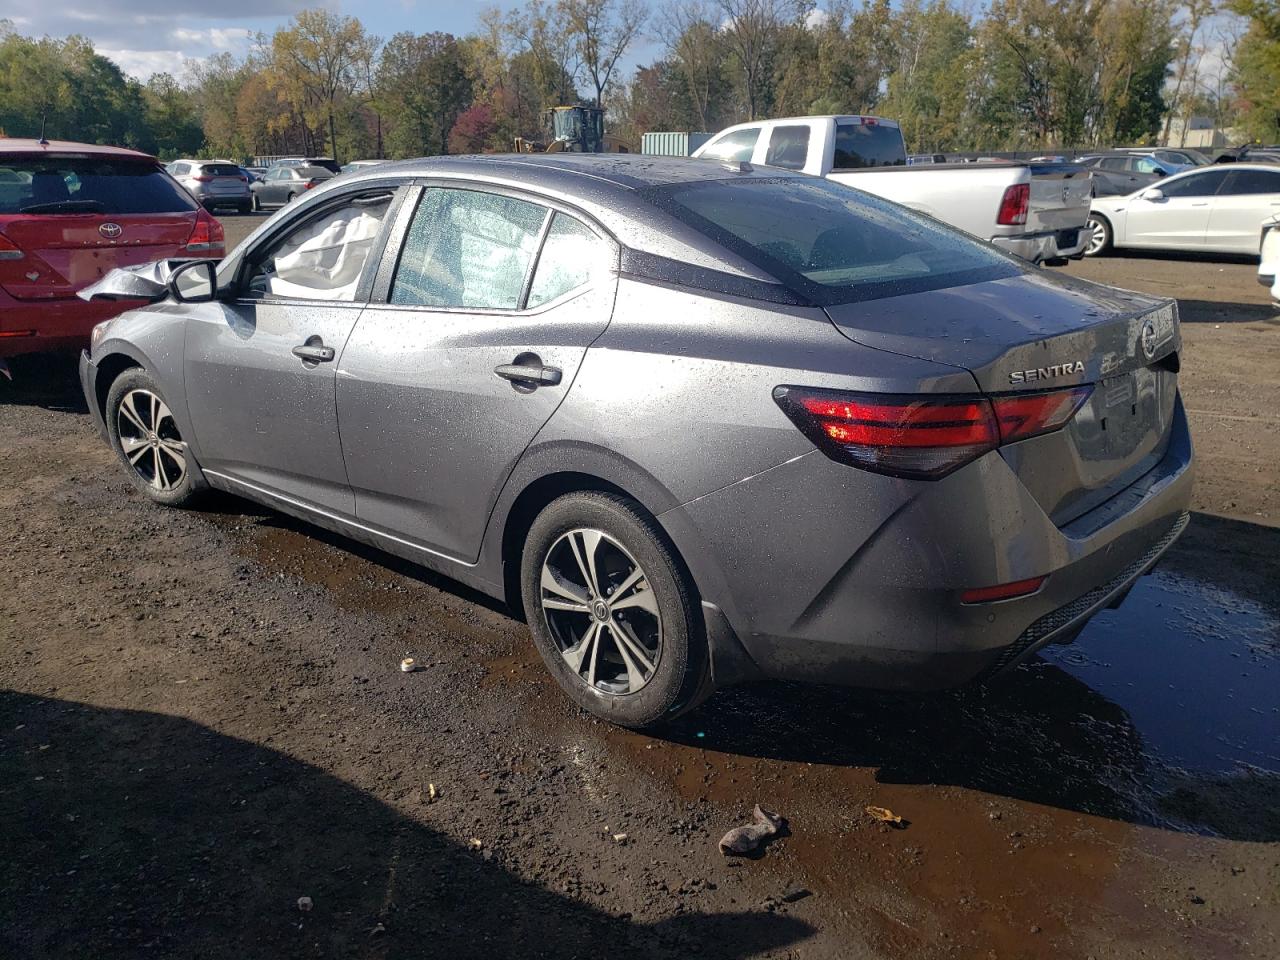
(111, 230)
(1149, 339)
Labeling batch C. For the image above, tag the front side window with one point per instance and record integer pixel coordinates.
(1148, 165)
(829, 242)
(788, 147)
(1195, 185)
(467, 249)
(325, 256)
(572, 256)
(735, 147)
(1114, 163)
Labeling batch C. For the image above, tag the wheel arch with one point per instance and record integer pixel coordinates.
(109, 368)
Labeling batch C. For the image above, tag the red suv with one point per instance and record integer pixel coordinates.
(71, 212)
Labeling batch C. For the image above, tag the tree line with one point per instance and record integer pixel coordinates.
(1018, 74)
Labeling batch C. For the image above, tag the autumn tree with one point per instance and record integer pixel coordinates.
(603, 31)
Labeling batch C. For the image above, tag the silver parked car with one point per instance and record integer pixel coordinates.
(697, 422)
(214, 183)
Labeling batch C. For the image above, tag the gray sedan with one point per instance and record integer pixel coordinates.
(695, 422)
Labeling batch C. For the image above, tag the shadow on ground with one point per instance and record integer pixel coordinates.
(49, 380)
(131, 834)
(1224, 311)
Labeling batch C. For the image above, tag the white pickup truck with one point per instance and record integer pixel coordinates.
(1037, 211)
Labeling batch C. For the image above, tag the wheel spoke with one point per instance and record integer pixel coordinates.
(644, 599)
(575, 655)
(585, 555)
(635, 679)
(628, 643)
(131, 413)
(595, 654)
(135, 455)
(161, 480)
(177, 450)
(562, 588)
(155, 412)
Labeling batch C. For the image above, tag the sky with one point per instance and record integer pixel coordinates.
(156, 36)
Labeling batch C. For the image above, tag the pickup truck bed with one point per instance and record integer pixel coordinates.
(1035, 211)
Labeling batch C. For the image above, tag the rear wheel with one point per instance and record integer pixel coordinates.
(612, 612)
(145, 436)
(244, 208)
(1099, 236)
(255, 204)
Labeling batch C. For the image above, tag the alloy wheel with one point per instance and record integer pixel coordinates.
(150, 440)
(601, 611)
(1097, 236)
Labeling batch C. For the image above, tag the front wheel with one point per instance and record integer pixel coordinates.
(1099, 236)
(145, 436)
(612, 611)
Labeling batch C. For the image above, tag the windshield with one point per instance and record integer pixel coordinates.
(830, 242)
(55, 185)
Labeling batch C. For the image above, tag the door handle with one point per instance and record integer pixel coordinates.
(1205, 204)
(534, 374)
(314, 351)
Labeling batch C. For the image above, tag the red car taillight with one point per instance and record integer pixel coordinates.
(206, 237)
(921, 437)
(311, 183)
(203, 179)
(9, 250)
(1014, 204)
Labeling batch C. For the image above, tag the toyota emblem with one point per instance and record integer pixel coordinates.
(1148, 337)
(111, 230)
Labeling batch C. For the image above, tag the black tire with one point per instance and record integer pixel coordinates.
(1098, 225)
(244, 208)
(679, 680)
(292, 197)
(255, 204)
(182, 482)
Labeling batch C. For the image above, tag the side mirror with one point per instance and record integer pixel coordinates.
(1154, 193)
(194, 282)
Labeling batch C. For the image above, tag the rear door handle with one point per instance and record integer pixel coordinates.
(314, 351)
(535, 374)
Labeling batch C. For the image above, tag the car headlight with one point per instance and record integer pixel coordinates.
(97, 334)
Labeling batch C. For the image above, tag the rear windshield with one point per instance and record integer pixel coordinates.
(220, 170)
(54, 185)
(860, 145)
(831, 243)
(314, 173)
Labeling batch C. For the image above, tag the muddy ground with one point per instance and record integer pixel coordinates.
(202, 720)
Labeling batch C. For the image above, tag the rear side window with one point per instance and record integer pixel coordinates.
(788, 147)
(1242, 182)
(467, 249)
(1148, 165)
(1114, 163)
(572, 256)
(735, 147)
(52, 185)
(829, 242)
(861, 145)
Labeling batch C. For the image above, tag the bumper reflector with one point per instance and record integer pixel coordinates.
(1003, 591)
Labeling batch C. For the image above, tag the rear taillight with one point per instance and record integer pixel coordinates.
(9, 250)
(311, 183)
(206, 237)
(203, 179)
(921, 437)
(1014, 204)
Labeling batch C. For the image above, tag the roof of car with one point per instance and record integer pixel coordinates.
(633, 171)
(11, 146)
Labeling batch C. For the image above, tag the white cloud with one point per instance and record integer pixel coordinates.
(143, 64)
(816, 18)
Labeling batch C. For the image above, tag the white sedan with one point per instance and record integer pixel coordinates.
(1269, 256)
(1214, 209)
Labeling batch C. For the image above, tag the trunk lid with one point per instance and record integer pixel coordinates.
(1061, 194)
(1040, 332)
(65, 252)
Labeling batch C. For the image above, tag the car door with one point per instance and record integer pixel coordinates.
(260, 365)
(476, 329)
(1247, 197)
(1179, 218)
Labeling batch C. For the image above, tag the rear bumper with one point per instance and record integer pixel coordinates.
(40, 326)
(851, 578)
(1053, 245)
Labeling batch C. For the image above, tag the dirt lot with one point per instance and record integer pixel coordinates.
(201, 721)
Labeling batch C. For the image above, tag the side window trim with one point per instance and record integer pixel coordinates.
(364, 288)
(380, 295)
(523, 303)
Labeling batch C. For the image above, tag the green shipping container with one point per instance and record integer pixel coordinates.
(672, 144)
